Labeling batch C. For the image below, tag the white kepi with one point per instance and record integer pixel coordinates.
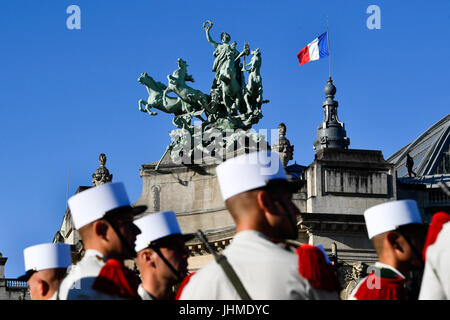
(94, 203)
(157, 226)
(390, 215)
(46, 256)
(249, 171)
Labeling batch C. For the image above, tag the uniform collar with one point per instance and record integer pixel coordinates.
(386, 266)
(144, 294)
(249, 234)
(91, 253)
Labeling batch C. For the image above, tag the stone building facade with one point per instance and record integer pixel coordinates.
(11, 289)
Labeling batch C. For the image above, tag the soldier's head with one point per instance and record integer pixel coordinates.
(161, 251)
(104, 218)
(46, 266)
(397, 234)
(258, 195)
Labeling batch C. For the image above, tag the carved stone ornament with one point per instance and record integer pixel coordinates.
(283, 146)
(101, 175)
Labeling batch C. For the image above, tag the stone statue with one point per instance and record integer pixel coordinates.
(101, 175)
(359, 270)
(410, 165)
(283, 146)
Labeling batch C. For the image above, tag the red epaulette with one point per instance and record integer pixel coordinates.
(116, 279)
(182, 285)
(438, 220)
(381, 288)
(313, 267)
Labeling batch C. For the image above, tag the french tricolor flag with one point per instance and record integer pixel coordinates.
(317, 49)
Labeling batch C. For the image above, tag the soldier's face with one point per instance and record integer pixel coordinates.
(175, 251)
(128, 230)
(287, 212)
(412, 248)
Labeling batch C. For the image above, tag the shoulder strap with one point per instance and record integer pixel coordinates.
(232, 276)
(222, 261)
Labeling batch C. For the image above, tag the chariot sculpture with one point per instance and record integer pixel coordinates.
(230, 109)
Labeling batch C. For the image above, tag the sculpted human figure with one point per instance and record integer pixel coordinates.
(222, 49)
(194, 99)
(283, 145)
(226, 65)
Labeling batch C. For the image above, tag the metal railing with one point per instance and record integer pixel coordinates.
(14, 284)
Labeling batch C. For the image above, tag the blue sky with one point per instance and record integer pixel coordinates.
(68, 95)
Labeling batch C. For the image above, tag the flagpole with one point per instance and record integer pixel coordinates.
(329, 52)
(67, 194)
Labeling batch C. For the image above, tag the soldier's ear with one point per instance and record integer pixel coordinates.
(100, 228)
(152, 257)
(264, 201)
(267, 203)
(145, 255)
(393, 238)
(44, 287)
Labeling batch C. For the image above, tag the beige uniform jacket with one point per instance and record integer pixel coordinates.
(436, 277)
(77, 285)
(266, 270)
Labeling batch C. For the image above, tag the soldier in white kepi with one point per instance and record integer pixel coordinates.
(46, 266)
(259, 266)
(161, 255)
(104, 217)
(398, 235)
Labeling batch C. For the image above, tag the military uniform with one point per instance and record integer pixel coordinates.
(95, 276)
(436, 277)
(266, 270)
(384, 283)
(78, 283)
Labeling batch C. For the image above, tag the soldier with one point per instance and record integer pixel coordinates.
(104, 218)
(46, 266)
(398, 235)
(259, 197)
(436, 279)
(161, 255)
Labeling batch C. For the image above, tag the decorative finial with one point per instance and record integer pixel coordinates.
(101, 175)
(330, 89)
(331, 133)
